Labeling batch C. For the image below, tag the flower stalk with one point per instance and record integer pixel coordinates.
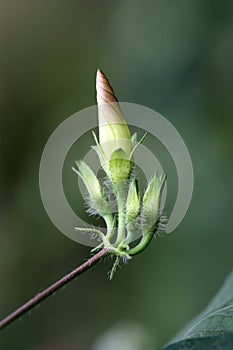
(38, 298)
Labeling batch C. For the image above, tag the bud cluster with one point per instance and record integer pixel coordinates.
(115, 148)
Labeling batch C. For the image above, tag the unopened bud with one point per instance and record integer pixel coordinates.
(98, 200)
(112, 124)
(132, 203)
(151, 203)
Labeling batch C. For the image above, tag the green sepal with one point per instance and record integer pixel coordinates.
(98, 200)
(119, 166)
(151, 203)
(134, 139)
(132, 202)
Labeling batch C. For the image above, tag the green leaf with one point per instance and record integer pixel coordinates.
(220, 342)
(213, 328)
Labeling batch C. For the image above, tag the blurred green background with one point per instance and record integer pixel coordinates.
(172, 56)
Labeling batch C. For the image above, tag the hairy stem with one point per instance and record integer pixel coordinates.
(121, 224)
(121, 199)
(53, 288)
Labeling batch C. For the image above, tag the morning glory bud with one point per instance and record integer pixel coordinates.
(98, 200)
(112, 124)
(151, 203)
(114, 134)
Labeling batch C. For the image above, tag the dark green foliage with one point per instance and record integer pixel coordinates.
(213, 328)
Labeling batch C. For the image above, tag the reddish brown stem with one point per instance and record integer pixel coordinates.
(53, 288)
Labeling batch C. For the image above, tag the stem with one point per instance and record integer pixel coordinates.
(53, 288)
(121, 225)
(145, 241)
(110, 223)
(121, 199)
(114, 268)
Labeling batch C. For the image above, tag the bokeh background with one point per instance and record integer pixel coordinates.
(173, 56)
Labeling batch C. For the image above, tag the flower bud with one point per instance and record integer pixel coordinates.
(113, 130)
(114, 134)
(151, 203)
(98, 201)
(132, 203)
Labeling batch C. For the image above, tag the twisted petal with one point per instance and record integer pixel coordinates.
(113, 130)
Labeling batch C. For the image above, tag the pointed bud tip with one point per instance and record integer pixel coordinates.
(105, 93)
(99, 74)
(99, 71)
